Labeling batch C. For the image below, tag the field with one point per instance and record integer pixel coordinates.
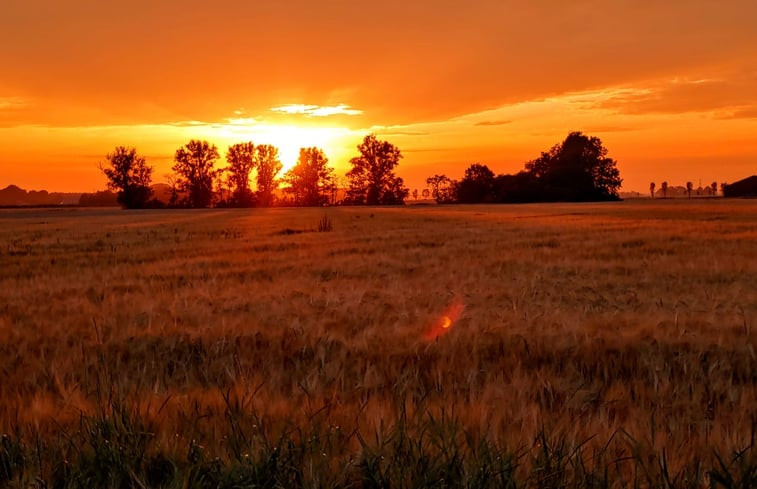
(563, 345)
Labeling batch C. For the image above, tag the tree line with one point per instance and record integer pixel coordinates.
(578, 169)
(198, 181)
(710, 190)
(575, 170)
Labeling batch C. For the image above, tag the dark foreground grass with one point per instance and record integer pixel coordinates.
(116, 448)
(590, 345)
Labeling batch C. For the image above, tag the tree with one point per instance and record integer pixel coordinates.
(442, 188)
(426, 193)
(651, 189)
(241, 159)
(477, 185)
(714, 187)
(577, 169)
(195, 171)
(415, 194)
(521, 187)
(129, 176)
(664, 188)
(689, 188)
(310, 180)
(269, 166)
(372, 179)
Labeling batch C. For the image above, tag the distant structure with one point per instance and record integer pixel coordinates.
(743, 188)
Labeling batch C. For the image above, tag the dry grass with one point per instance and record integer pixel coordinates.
(627, 326)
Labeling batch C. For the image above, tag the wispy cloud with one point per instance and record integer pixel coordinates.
(493, 123)
(12, 103)
(317, 110)
(686, 95)
(745, 112)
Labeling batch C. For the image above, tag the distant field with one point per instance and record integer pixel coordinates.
(426, 346)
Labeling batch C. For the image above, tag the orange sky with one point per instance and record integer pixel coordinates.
(670, 87)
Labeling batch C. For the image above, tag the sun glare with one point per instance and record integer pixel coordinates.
(448, 318)
(287, 138)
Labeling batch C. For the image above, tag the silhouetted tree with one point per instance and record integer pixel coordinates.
(415, 194)
(521, 187)
(103, 198)
(442, 188)
(664, 188)
(195, 171)
(577, 169)
(476, 186)
(241, 159)
(310, 180)
(651, 189)
(173, 200)
(269, 166)
(714, 187)
(689, 188)
(372, 179)
(129, 176)
(426, 193)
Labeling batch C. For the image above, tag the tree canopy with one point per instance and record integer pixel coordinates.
(129, 175)
(372, 178)
(241, 160)
(311, 179)
(477, 185)
(268, 165)
(196, 172)
(577, 169)
(442, 188)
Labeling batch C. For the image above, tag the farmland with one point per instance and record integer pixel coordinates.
(586, 345)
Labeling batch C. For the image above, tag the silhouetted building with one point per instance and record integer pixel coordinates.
(743, 188)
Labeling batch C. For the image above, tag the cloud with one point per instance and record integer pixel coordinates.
(317, 110)
(682, 95)
(609, 128)
(493, 123)
(187, 124)
(746, 112)
(389, 132)
(7, 103)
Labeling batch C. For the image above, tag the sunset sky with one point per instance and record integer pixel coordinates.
(669, 86)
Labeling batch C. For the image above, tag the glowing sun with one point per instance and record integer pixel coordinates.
(287, 138)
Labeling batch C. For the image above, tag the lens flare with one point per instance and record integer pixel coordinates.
(446, 320)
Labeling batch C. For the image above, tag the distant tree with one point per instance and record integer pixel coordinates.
(372, 179)
(714, 187)
(577, 169)
(173, 200)
(651, 189)
(241, 160)
(195, 169)
(521, 187)
(336, 184)
(426, 192)
(415, 194)
(689, 188)
(129, 176)
(268, 165)
(477, 185)
(664, 188)
(311, 179)
(103, 198)
(442, 188)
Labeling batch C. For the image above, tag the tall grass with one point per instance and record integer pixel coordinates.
(586, 346)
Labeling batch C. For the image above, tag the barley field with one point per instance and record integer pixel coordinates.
(560, 345)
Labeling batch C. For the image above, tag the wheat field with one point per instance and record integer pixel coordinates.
(560, 345)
